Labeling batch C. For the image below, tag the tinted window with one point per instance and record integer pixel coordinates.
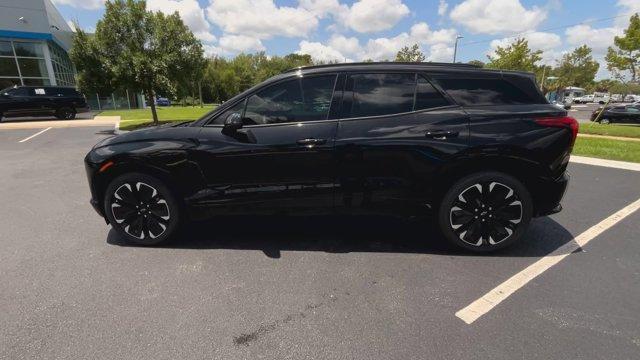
(381, 94)
(237, 108)
(484, 92)
(302, 99)
(427, 96)
(19, 92)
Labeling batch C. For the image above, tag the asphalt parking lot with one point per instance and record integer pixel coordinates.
(329, 288)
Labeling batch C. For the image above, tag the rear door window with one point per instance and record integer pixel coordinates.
(427, 97)
(380, 94)
(487, 91)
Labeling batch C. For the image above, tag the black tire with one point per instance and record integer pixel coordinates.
(142, 209)
(470, 216)
(605, 121)
(66, 113)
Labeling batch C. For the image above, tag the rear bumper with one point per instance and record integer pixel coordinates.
(549, 197)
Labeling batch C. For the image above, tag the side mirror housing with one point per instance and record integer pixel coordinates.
(232, 123)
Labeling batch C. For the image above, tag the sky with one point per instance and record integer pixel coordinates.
(356, 30)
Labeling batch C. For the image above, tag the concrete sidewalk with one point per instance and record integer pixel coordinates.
(96, 121)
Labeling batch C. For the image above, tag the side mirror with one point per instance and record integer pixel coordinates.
(232, 123)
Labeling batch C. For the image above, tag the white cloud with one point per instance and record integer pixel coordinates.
(420, 33)
(321, 8)
(366, 16)
(190, 12)
(345, 45)
(597, 39)
(442, 7)
(629, 7)
(240, 43)
(321, 52)
(537, 41)
(547, 42)
(497, 16)
(82, 4)
(261, 18)
(440, 52)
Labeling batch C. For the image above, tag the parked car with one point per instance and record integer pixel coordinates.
(583, 99)
(618, 114)
(482, 151)
(161, 101)
(632, 98)
(601, 98)
(61, 102)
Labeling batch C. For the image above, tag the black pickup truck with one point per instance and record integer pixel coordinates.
(61, 102)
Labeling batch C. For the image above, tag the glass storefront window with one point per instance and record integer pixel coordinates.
(36, 82)
(5, 48)
(28, 49)
(32, 67)
(8, 67)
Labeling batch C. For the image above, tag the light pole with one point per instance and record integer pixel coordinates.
(455, 47)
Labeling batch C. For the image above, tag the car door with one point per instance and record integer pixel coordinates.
(395, 130)
(19, 103)
(282, 159)
(41, 100)
(633, 114)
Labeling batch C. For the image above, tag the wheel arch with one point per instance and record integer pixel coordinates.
(524, 170)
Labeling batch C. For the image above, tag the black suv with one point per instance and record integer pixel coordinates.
(62, 102)
(480, 150)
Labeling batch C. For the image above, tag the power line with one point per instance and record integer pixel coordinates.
(547, 29)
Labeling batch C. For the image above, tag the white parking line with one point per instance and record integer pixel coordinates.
(606, 163)
(488, 301)
(34, 135)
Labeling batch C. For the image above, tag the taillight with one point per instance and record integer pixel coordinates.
(561, 121)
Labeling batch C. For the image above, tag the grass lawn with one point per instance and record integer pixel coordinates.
(137, 118)
(608, 149)
(610, 130)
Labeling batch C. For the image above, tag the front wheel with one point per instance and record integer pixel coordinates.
(141, 209)
(605, 121)
(66, 113)
(485, 211)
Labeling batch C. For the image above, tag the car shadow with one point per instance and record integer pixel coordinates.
(332, 234)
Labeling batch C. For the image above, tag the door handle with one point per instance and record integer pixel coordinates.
(311, 142)
(441, 135)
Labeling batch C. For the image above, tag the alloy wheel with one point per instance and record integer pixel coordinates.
(140, 210)
(486, 213)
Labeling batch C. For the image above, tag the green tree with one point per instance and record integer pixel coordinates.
(515, 56)
(623, 58)
(139, 50)
(476, 63)
(577, 68)
(94, 76)
(410, 54)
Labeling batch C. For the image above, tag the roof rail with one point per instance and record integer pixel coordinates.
(393, 63)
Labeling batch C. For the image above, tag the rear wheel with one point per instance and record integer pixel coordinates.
(142, 209)
(485, 211)
(66, 113)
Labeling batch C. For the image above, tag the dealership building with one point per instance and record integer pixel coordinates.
(34, 44)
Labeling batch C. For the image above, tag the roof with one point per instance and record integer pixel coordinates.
(411, 66)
